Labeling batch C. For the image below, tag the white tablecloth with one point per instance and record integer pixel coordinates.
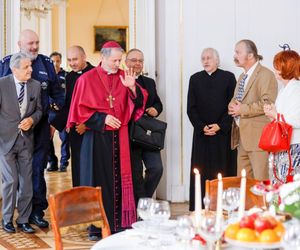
(132, 240)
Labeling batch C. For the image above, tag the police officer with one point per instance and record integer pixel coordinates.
(43, 71)
(63, 135)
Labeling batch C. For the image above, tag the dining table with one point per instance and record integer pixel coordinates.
(132, 239)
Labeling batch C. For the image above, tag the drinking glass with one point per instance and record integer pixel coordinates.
(143, 211)
(209, 231)
(231, 199)
(159, 212)
(291, 238)
(143, 208)
(184, 230)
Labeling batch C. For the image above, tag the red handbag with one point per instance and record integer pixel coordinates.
(276, 137)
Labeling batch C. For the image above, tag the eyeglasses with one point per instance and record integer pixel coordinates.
(134, 60)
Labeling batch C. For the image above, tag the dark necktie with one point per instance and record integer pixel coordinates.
(241, 89)
(21, 95)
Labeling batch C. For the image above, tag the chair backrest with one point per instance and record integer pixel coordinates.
(211, 188)
(77, 206)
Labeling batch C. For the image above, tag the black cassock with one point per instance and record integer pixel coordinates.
(208, 98)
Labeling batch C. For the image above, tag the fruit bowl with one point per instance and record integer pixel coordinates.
(258, 231)
(253, 245)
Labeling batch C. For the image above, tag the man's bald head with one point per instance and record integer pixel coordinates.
(76, 58)
(29, 43)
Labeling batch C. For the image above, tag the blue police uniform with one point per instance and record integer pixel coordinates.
(43, 71)
(63, 135)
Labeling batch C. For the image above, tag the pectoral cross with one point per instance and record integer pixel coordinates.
(110, 99)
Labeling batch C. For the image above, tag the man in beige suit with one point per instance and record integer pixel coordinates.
(256, 86)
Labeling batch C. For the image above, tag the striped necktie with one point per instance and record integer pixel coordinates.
(21, 95)
(241, 89)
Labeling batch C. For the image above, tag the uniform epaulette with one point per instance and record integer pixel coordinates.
(6, 58)
(45, 58)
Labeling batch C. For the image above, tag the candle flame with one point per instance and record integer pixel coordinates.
(196, 171)
(219, 177)
(243, 172)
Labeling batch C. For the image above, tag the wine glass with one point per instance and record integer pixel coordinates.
(143, 208)
(291, 238)
(231, 198)
(210, 230)
(143, 211)
(184, 230)
(159, 212)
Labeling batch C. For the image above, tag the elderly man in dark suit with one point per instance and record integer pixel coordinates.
(20, 111)
(145, 187)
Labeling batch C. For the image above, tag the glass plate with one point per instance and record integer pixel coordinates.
(253, 245)
(165, 227)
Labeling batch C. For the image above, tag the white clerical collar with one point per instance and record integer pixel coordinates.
(210, 73)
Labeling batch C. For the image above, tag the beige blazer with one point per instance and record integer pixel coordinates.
(262, 87)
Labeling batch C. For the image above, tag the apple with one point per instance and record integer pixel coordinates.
(261, 224)
(272, 221)
(247, 221)
(254, 216)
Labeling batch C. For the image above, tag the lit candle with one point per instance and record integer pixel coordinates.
(219, 203)
(242, 194)
(198, 206)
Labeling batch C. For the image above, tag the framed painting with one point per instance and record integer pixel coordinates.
(103, 34)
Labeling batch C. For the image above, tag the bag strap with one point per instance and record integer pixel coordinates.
(289, 177)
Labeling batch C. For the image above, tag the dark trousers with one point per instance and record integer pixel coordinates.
(39, 163)
(16, 168)
(65, 150)
(145, 187)
(75, 143)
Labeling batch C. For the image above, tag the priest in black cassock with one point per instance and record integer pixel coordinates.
(77, 61)
(105, 99)
(209, 93)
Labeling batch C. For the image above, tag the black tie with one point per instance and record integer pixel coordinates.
(21, 95)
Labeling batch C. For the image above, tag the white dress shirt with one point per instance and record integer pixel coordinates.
(24, 103)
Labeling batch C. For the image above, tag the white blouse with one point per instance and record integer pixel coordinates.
(288, 104)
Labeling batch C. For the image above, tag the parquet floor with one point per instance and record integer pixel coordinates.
(44, 239)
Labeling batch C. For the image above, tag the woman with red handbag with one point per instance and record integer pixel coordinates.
(286, 164)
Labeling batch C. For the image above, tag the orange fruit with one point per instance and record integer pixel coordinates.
(246, 234)
(280, 230)
(268, 236)
(232, 230)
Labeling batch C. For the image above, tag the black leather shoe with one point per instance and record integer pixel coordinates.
(94, 233)
(62, 168)
(8, 227)
(39, 221)
(52, 168)
(26, 228)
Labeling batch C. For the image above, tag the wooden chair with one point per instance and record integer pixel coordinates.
(77, 208)
(211, 189)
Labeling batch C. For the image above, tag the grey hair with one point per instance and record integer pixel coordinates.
(215, 54)
(16, 59)
(251, 49)
(107, 51)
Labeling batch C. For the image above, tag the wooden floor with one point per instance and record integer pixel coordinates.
(43, 239)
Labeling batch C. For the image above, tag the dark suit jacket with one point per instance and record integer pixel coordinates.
(10, 115)
(153, 99)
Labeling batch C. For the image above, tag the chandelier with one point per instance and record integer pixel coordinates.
(40, 8)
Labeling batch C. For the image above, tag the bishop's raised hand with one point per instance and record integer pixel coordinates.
(129, 78)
